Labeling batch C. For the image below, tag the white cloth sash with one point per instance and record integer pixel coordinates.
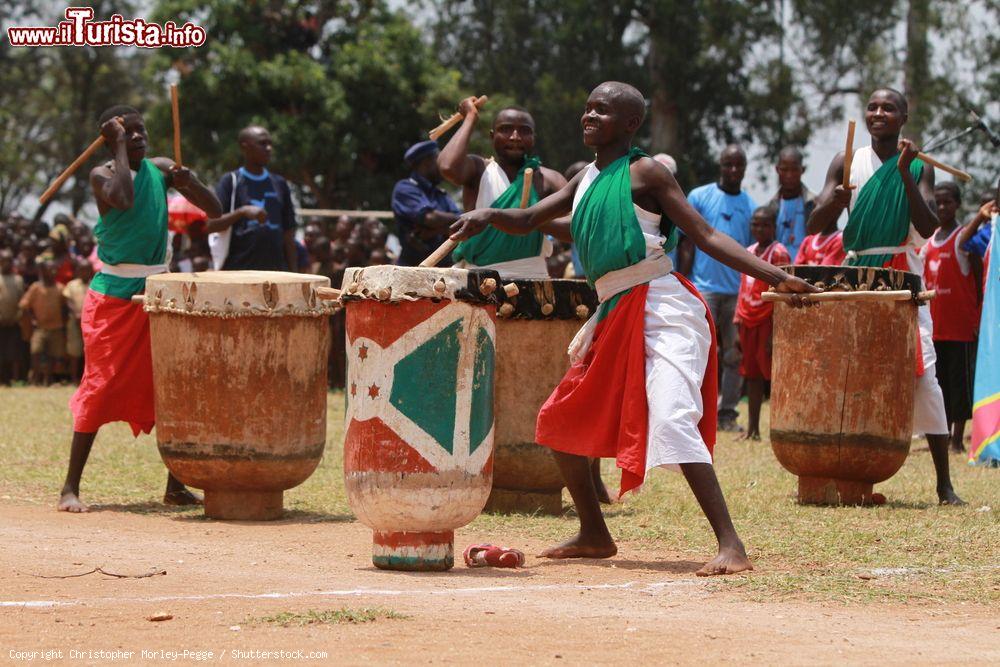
(139, 270)
(133, 270)
(895, 250)
(612, 283)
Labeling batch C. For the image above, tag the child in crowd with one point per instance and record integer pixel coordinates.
(754, 317)
(956, 276)
(43, 302)
(74, 293)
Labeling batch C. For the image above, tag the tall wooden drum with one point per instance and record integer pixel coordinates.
(842, 383)
(534, 331)
(418, 453)
(239, 368)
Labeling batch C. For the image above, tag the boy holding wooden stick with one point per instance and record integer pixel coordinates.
(889, 196)
(497, 182)
(117, 384)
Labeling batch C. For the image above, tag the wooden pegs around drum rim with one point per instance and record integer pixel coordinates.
(510, 289)
(139, 299)
(488, 286)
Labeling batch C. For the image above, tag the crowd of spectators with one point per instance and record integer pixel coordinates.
(45, 269)
(44, 273)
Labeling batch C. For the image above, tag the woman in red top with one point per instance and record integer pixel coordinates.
(956, 276)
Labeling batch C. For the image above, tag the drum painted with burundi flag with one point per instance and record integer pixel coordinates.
(239, 370)
(418, 452)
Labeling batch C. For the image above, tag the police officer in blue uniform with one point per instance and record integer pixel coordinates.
(423, 211)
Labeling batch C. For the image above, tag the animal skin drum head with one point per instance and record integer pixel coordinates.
(237, 294)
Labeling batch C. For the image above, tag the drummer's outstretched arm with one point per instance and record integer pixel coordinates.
(652, 179)
(517, 220)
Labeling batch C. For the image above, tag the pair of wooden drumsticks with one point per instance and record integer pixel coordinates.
(900, 295)
(99, 141)
(849, 159)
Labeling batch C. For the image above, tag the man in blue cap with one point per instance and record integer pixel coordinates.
(423, 211)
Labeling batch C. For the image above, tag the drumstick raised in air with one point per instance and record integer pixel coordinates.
(454, 120)
(848, 155)
(84, 156)
(526, 187)
(68, 171)
(175, 107)
(957, 173)
(443, 251)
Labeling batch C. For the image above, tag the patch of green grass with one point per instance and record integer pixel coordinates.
(945, 554)
(341, 616)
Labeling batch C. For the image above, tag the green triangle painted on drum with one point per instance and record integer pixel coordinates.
(424, 385)
(481, 414)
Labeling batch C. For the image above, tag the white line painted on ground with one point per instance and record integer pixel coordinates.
(641, 587)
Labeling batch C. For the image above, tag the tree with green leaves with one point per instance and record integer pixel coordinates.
(343, 87)
(50, 99)
(941, 54)
(705, 66)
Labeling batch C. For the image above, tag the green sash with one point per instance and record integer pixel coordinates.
(605, 228)
(137, 235)
(881, 214)
(493, 246)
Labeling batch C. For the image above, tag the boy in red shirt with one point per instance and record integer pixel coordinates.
(956, 276)
(823, 249)
(753, 315)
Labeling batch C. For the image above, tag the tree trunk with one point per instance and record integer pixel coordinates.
(664, 114)
(674, 46)
(917, 67)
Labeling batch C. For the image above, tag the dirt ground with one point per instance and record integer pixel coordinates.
(638, 608)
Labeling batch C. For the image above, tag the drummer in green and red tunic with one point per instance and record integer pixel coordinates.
(117, 384)
(498, 182)
(642, 385)
(891, 211)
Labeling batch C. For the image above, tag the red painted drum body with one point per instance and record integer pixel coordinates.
(239, 368)
(842, 386)
(534, 330)
(418, 452)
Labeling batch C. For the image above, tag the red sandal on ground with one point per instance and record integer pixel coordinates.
(488, 555)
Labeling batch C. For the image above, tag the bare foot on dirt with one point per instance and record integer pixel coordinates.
(729, 561)
(182, 497)
(581, 546)
(949, 497)
(749, 436)
(70, 502)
